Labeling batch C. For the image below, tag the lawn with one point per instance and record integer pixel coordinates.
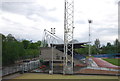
(58, 76)
(113, 61)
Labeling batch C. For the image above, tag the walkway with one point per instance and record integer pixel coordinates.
(91, 63)
(102, 63)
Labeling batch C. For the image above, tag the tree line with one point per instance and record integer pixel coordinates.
(97, 48)
(14, 50)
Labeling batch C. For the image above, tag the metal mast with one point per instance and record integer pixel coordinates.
(52, 32)
(89, 21)
(68, 36)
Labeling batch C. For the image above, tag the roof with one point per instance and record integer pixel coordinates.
(75, 45)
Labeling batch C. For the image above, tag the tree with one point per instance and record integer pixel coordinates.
(12, 50)
(33, 46)
(117, 45)
(26, 43)
(108, 44)
(38, 43)
(116, 42)
(110, 48)
(103, 49)
(83, 50)
(10, 38)
(97, 45)
(94, 50)
(3, 37)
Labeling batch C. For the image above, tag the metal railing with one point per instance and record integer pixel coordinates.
(25, 67)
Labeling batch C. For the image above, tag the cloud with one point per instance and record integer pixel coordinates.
(28, 19)
(28, 9)
(80, 22)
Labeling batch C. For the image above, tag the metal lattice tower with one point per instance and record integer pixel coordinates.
(68, 36)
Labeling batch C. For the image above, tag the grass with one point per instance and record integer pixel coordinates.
(113, 61)
(56, 76)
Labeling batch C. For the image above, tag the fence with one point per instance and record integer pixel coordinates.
(25, 67)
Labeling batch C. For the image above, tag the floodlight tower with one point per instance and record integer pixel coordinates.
(89, 21)
(68, 36)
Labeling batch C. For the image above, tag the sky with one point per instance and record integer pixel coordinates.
(27, 19)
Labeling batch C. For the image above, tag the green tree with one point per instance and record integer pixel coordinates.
(3, 37)
(26, 43)
(117, 45)
(38, 43)
(97, 45)
(103, 49)
(10, 38)
(110, 48)
(83, 50)
(12, 50)
(33, 46)
(108, 44)
(93, 50)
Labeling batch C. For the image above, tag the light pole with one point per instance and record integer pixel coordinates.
(52, 32)
(89, 21)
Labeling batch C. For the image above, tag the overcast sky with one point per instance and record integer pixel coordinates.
(27, 19)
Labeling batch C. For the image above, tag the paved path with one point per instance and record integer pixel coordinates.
(102, 63)
(91, 63)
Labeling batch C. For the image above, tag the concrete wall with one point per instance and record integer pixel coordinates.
(46, 54)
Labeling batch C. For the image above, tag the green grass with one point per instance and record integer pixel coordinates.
(113, 61)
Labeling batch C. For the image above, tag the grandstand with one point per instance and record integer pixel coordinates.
(58, 57)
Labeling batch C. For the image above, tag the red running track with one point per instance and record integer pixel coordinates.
(102, 63)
